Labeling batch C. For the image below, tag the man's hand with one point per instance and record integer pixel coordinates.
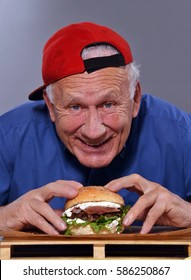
(156, 205)
(32, 208)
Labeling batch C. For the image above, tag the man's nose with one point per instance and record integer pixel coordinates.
(93, 126)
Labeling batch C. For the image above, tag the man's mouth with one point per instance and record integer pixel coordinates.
(97, 144)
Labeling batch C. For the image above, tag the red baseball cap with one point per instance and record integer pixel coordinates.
(62, 53)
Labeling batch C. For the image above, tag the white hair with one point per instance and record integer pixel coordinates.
(133, 72)
(98, 51)
(49, 93)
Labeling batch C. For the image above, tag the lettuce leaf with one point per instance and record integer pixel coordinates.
(101, 223)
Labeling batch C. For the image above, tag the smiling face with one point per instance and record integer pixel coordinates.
(93, 114)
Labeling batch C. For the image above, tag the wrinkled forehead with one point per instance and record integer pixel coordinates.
(105, 76)
(105, 83)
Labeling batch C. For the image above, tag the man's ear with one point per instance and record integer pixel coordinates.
(136, 100)
(50, 106)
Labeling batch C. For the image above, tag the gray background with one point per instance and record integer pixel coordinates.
(159, 33)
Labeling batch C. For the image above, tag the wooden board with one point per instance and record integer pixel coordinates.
(159, 236)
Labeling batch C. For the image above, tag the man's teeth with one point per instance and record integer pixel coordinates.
(94, 145)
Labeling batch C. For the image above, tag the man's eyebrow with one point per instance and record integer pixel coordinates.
(111, 94)
(70, 99)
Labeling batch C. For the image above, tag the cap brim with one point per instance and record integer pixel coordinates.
(37, 94)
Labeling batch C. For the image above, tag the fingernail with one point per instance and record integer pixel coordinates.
(73, 192)
(55, 232)
(127, 220)
(143, 231)
(62, 226)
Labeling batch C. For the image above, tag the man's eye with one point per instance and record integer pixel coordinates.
(75, 107)
(108, 105)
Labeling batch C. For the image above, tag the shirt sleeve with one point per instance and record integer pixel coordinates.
(5, 169)
(186, 148)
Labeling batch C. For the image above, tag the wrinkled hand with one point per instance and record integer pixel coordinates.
(32, 208)
(156, 205)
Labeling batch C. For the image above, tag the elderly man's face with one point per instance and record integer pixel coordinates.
(93, 114)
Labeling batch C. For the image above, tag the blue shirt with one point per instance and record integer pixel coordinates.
(32, 155)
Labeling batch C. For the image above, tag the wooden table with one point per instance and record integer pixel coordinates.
(108, 246)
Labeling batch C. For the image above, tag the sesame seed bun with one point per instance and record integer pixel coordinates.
(94, 194)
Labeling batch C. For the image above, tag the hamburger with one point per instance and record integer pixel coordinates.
(95, 210)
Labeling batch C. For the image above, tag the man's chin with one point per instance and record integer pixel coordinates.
(94, 162)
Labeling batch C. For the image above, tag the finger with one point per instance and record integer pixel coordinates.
(48, 214)
(59, 212)
(144, 202)
(133, 182)
(118, 184)
(39, 222)
(68, 189)
(153, 215)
